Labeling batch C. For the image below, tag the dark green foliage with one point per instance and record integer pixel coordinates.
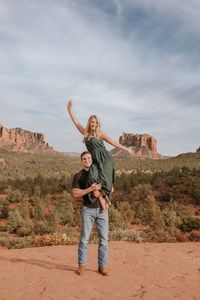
(53, 220)
(127, 213)
(65, 209)
(115, 218)
(165, 197)
(194, 191)
(41, 227)
(39, 207)
(161, 196)
(4, 208)
(15, 220)
(14, 196)
(150, 214)
(172, 218)
(190, 223)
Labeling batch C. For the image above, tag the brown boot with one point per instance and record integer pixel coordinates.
(80, 270)
(103, 271)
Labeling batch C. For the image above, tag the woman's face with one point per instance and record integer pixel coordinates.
(93, 124)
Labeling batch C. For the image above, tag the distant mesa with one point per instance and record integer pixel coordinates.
(143, 145)
(20, 140)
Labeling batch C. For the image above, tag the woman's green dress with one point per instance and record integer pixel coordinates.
(103, 167)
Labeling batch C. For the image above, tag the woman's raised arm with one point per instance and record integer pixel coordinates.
(74, 119)
(110, 141)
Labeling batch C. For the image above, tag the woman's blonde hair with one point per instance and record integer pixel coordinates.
(87, 133)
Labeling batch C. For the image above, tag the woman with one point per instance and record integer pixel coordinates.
(102, 170)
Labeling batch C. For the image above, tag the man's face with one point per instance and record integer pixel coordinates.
(87, 161)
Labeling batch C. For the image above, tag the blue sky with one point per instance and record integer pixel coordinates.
(134, 63)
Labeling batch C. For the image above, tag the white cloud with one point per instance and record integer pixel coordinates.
(137, 80)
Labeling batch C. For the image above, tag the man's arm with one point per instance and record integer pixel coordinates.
(78, 193)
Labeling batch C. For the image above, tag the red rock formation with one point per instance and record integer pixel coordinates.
(143, 145)
(20, 140)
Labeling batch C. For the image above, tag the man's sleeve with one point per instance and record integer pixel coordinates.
(76, 181)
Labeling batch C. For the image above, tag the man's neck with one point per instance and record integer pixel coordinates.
(86, 169)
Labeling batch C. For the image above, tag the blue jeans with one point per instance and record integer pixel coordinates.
(89, 216)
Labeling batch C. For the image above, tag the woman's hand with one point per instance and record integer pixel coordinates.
(69, 105)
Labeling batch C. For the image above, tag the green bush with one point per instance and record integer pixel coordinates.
(141, 192)
(65, 209)
(23, 231)
(39, 209)
(53, 220)
(41, 227)
(15, 220)
(115, 218)
(14, 196)
(150, 214)
(4, 209)
(171, 218)
(126, 212)
(120, 234)
(189, 223)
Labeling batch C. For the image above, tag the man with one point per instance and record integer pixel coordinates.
(90, 213)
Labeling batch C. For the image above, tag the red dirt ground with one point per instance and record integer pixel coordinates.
(146, 271)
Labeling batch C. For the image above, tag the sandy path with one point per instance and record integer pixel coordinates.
(137, 271)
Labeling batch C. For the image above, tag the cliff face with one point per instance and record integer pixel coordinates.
(20, 140)
(143, 145)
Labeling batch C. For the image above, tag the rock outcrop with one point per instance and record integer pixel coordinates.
(20, 140)
(198, 151)
(143, 145)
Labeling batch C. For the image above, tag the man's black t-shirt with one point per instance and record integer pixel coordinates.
(79, 181)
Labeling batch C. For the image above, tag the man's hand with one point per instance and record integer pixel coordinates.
(96, 186)
(97, 194)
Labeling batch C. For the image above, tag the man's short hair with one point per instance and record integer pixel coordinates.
(84, 153)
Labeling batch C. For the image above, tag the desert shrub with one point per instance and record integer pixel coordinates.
(150, 214)
(4, 208)
(171, 218)
(123, 182)
(159, 235)
(195, 235)
(166, 197)
(52, 239)
(181, 237)
(3, 227)
(115, 218)
(4, 242)
(53, 220)
(126, 212)
(24, 231)
(36, 190)
(15, 220)
(41, 227)
(3, 186)
(39, 209)
(195, 193)
(189, 223)
(14, 196)
(65, 209)
(22, 242)
(120, 234)
(141, 192)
